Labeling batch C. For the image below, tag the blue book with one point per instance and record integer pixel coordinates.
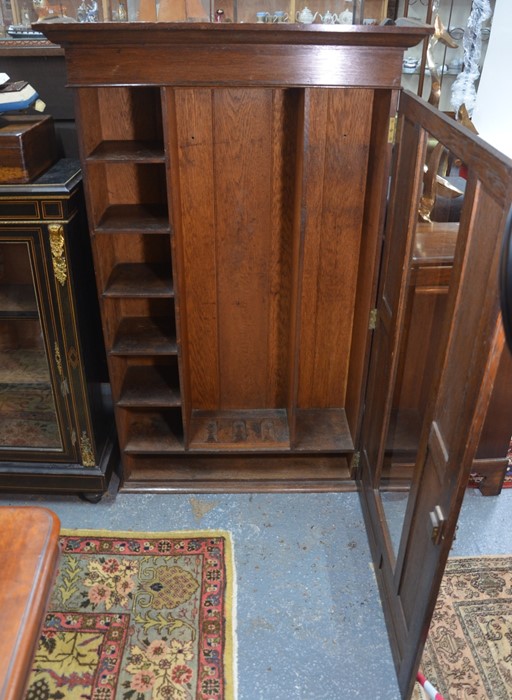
(16, 96)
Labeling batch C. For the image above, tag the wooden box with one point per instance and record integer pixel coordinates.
(27, 147)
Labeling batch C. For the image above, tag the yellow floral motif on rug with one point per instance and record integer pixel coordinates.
(135, 616)
(468, 654)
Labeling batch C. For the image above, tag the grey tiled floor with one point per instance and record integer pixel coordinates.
(310, 624)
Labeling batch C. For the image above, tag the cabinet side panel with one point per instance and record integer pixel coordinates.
(336, 145)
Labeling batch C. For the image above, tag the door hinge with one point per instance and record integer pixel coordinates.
(393, 123)
(372, 322)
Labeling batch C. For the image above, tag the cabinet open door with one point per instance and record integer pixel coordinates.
(426, 399)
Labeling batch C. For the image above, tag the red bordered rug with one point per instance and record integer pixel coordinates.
(135, 616)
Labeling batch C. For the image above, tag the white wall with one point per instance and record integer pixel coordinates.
(492, 115)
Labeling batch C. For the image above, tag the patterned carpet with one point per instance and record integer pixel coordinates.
(469, 647)
(135, 616)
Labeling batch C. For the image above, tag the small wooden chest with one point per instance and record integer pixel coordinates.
(27, 147)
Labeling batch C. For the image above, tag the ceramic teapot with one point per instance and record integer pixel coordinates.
(329, 18)
(345, 17)
(305, 16)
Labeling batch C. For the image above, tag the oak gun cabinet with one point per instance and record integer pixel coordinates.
(57, 430)
(236, 181)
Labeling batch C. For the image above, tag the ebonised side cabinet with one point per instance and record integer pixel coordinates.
(56, 421)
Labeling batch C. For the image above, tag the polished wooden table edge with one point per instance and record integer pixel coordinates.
(43, 569)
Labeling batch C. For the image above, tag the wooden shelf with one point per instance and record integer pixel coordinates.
(323, 430)
(140, 280)
(150, 387)
(152, 433)
(145, 336)
(132, 151)
(243, 430)
(139, 218)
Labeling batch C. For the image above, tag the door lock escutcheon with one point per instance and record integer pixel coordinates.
(437, 525)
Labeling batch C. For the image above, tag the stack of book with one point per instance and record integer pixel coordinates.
(16, 95)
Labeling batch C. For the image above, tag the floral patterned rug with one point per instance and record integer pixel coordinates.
(468, 653)
(135, 616)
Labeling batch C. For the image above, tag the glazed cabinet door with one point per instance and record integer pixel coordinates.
(36, 408)
(434, 422)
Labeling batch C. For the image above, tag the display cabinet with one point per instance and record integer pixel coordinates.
(449, 59)
(18, 15)
(56, 426)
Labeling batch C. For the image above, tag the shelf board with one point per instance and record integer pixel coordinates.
(137, 218)
(150, 433)
(132, 151)
(244, 430)
(145, 336)
(140, 280)
(323, 430)
(18, 301)
(150, 387)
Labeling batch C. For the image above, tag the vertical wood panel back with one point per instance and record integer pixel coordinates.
(236, 151)
(195, 239)
(336, 145)
(243, 162)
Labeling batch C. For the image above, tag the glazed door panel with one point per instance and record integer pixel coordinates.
(33, 413)
(465, 348)
(29, 415)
